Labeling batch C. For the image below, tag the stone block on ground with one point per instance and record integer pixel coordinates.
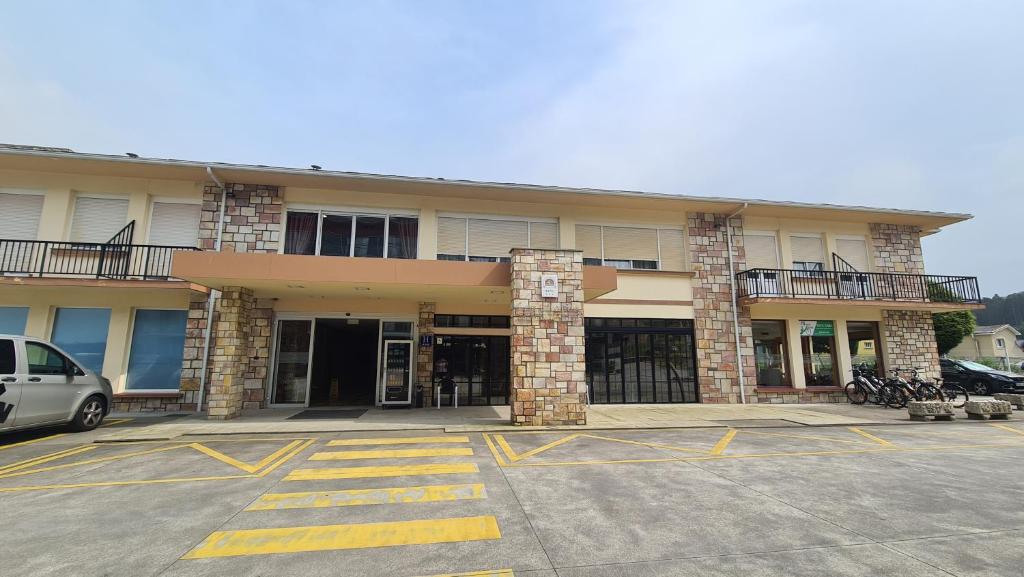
(1014, 399)
(938, 410)
(987, 409)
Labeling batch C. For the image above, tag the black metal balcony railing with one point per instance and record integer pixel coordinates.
(116, 259)
(854, 285)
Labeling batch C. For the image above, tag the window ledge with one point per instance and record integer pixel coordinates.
(147, 394)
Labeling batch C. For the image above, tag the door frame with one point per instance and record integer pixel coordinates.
(381, 318)
(412, 371)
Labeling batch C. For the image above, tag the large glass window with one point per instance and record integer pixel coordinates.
(83, 334)
(292, 375)
(360, 235)
(640, 361)
(770, 353)
(864, 345)
(479, 365)
(12, 320)
(158, 342)
(818, 344)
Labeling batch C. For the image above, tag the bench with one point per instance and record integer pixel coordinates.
(1015, 400)
(987, 409)
(938, 410)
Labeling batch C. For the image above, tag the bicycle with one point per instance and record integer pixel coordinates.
(862, 388)
(897, 391)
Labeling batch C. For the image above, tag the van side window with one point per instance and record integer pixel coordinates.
(7, 360)
(42, 360)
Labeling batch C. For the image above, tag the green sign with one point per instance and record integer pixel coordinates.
(817, 329)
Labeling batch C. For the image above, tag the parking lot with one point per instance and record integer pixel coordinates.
(913, 500)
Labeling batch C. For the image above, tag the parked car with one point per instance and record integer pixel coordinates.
(980, 379)
(41, 385)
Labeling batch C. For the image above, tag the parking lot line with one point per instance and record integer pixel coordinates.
(392, 454)
(339, 537)
(45, 458)
(492, 573)
(1007, 428)
(806, 437)
(871, 437)
(722, 443)
(389, 471)
(397, 441)
(30, 441)
(239, 464)
(382, 496)
(88, 462)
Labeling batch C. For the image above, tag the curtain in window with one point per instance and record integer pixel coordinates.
(300, 233)
(158, 342)
(402, 235)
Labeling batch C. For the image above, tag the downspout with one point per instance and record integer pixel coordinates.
(735, 305)
(212, 301)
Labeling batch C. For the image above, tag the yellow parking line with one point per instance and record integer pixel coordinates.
(45, 458)
(223, 458)
(397, 441)
(722, 443)
(807, 437)
(351, 497)
(500, 439)
(642, 444)
(492, 573)
(494, 450)
(392, 454)
(115, 422)
(543, 448)
(287, 457)
(30, 441)
(338, 537)
(89, 462)
(1006, 428)
(370, 472)
(871, 437)
(119, 483)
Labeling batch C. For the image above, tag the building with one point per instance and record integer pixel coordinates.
(998, 344)
(356, 289)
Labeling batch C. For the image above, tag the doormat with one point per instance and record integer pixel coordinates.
(329, 414)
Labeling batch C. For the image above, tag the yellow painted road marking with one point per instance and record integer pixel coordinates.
(651, 445)
(1006, 428)
(318, 499)
(239, 464)
(45, 458)
(493, 573)
(397, 441)
(722, 443)
(30, 441)
(500, 439)
(370, 472)
(89, 461)
(806, 437)
(115, 422)
(392, 454)
(119, 483)
(287, 457)
(871, 437)
(337, 537)
(494, 450)
(540, 449)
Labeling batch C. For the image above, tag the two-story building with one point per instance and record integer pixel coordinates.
(333, 288)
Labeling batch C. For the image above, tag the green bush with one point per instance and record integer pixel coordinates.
(951, 328)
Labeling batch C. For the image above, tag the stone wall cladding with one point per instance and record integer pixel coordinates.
(229, 360)
(261, 323)
(548, 352)
(252, 218)
(425, 355)
(897, 248)
(909, 338)
(717, 367)
(800, 396)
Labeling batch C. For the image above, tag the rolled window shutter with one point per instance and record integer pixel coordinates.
(761, 250)
(588, 239)
(174, 224)
(623, 243)
(19, 215)
(807, 249)
(853, 251)
(451, 235)
(496, 237)
(543, 235)
(98, 219)
(673, 249)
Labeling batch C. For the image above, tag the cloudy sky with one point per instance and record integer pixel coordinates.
(916, 105)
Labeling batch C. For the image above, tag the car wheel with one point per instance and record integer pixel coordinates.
(980, 387)
(89, 415)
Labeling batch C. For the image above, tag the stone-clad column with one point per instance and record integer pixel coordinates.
(548, 353)
(909, 340)
(229, 358)
(425, 355)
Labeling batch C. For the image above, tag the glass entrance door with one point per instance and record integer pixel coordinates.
(396, 377)
(291, 375)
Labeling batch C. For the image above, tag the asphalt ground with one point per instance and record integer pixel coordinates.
(908, 500)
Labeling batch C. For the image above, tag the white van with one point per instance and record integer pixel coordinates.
(41, 385)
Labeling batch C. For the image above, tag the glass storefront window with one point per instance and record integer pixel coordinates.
(818, 346)
(158, 341)
(83, 334)
(336, 236)
(770, 353)
(864, 345)
(12, 320)
(479, 365)
(292, 374)
(640, 361)
(369, 236)
(300, 237)
(330, 234)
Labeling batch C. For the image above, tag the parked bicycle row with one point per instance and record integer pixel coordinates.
(895, 391)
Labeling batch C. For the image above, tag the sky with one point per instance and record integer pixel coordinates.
(897, 104)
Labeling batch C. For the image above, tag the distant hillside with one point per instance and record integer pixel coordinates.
(1000, 310)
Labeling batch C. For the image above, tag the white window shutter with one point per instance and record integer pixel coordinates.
(451, 235)
(853, 251)
(543, 235)
(174, 224)
(761, 250)
(19, 215)
(807, 249)
(98, 219)
(588, 239)
(625, 243)
(673, 249)
(496, 238)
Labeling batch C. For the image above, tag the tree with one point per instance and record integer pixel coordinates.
(951, 328)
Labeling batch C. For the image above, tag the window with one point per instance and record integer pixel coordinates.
(8, 362)
(1000, 344)
(491, 239)
(13, 320)
(158, 342)
(808, 255)
(19, 220)
(174, 224)
(479, 365)
(42, 360)
(632, 248)
(471, 321)
(863, 339)
(98, 219)
(854, 251)
(83, 334)
(359, 235)
(770, 353)
(640, 361)
(762, 250)
(818, 346)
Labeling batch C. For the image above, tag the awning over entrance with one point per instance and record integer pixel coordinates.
(283, 275)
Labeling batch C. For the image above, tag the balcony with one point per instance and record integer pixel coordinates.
(762, 285)
(116, 259)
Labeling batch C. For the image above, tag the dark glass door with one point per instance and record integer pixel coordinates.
(479, 365)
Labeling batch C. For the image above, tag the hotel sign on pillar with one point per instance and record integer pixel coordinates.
(549, 285)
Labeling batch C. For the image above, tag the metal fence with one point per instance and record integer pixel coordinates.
(38, 258)
(848, 285)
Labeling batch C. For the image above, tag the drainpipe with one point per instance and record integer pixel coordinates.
(212, 300)
(735, 307)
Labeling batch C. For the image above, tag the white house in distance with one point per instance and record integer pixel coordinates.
(991, 342)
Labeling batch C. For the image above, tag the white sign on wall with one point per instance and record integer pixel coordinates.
(549, 285)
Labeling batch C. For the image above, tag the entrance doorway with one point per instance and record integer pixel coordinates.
(344, 373)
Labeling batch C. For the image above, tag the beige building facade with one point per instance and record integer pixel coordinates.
(203, 286)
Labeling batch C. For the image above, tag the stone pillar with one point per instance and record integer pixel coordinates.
(425, 355)
(192, 357)
(548, 352)
(717, 366)
(252, 218)
(261, 321)
(229, 357)
(909, 341)
(897, 248)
